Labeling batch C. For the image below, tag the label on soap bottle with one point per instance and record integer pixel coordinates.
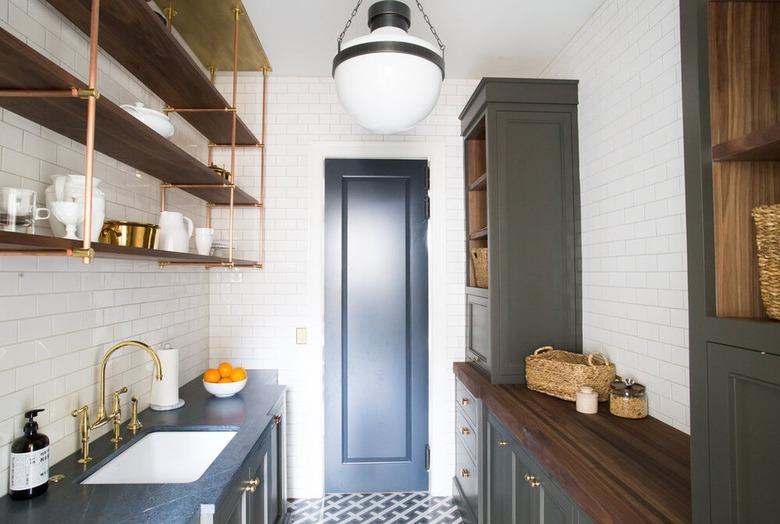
(29, 470)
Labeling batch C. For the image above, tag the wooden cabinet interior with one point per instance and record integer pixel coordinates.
(477, 195)
(744, 72)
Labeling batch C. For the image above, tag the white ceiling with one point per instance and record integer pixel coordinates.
(483, 37)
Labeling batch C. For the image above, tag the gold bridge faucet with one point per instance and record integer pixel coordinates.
(115, 416)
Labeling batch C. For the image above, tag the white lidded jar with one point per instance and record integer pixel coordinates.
(587, 400)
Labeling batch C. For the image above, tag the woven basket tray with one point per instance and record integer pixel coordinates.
(479, 263)
(767, 220)
(561, 373)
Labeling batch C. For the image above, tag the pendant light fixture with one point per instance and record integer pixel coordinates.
(388, 80)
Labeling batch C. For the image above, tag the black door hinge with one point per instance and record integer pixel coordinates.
(427, 457)
(427, 207)
(428, 177)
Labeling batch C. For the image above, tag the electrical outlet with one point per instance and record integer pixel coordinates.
(300, 335)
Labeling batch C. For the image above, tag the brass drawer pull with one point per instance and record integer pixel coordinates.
(465, 402)
(465, 473)
(532, 481)
(502, 443)
(251, 485)
(465, 431)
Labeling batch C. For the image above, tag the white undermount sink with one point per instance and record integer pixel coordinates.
(164, 457)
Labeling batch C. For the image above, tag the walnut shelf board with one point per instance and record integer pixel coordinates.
(584, 452)
(24, 242)
(482, 233)
(479, 184)
(137, 38)
(763, 144)
(117, 134)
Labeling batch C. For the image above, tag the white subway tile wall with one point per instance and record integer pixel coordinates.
(57, 316)
(635, 300)
(254, 315)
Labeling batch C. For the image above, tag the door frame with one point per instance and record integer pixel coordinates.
(439, 375)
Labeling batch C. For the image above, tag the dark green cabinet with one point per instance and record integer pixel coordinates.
(744, 409)
(522, 210)
(518, 490)
(729, 70)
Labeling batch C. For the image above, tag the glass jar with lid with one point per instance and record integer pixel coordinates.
(627, 399)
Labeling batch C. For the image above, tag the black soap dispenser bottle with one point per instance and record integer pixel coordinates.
(29, 475)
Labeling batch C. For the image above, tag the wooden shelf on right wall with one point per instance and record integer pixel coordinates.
(763, 144)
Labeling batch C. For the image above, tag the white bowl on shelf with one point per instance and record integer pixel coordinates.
(224, 389)
(157, 120)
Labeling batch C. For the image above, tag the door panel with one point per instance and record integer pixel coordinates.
(500, 497)
(555, 507)
(376, 325)
(744, 415)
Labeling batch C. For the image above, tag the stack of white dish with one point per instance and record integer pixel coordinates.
(70, 188)
(155, 119)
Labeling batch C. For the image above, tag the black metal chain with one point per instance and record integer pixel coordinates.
(430, 25)
(349, 23)
(419, 6)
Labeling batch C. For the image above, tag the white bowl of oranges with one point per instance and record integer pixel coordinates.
(224, 381)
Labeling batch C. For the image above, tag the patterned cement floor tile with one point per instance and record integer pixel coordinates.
(375, 508)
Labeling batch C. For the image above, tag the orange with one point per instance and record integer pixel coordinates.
(224, 369)
(224, 380)
(212, 375)
(238, 374)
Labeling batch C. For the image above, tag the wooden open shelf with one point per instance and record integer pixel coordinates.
(476, 196)
(744, 68)
(137, 38)
(763, 144)
(24, 242)
(480, 184)
(476, 235)
(118, 134)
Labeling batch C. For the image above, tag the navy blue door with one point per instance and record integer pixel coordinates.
(376, 326)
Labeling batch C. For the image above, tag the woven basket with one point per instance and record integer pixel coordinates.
(767, 219)
(479, 264)
(561, 373)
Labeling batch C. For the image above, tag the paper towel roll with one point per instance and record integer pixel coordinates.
(165, 392)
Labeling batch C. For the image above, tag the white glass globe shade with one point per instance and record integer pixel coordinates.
(388, 92)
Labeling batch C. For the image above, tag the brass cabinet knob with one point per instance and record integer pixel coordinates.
(277, 420)
(465, 431)
(465, 473)
(502, 443)
(465, 402)
(532, 481)
(474, 358)
(252, 485)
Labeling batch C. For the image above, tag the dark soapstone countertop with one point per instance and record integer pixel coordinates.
(68, 501)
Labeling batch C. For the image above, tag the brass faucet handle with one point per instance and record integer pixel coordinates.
(116, 414)
(134, 424)
(83, 415)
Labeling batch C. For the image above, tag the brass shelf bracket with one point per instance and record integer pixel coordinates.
(85, 93)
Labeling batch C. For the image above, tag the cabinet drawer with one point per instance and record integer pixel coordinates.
(467, 476)
(466, 433)
(466, 401)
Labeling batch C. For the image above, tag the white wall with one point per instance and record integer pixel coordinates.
(627, 58)
(254, 315)
(57, 316)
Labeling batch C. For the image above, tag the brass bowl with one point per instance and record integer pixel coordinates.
(129, 234)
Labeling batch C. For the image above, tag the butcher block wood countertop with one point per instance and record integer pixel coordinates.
(617, 470)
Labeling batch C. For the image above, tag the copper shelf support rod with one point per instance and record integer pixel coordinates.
(73, 92)
(256, 146)
(169, 109)
(89, 154)
(213, 205)
(231, 220)
(69, 252)
(197, 186)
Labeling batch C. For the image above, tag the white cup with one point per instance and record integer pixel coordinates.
(204, 236)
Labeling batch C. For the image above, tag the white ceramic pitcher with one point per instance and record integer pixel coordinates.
(174, 235)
